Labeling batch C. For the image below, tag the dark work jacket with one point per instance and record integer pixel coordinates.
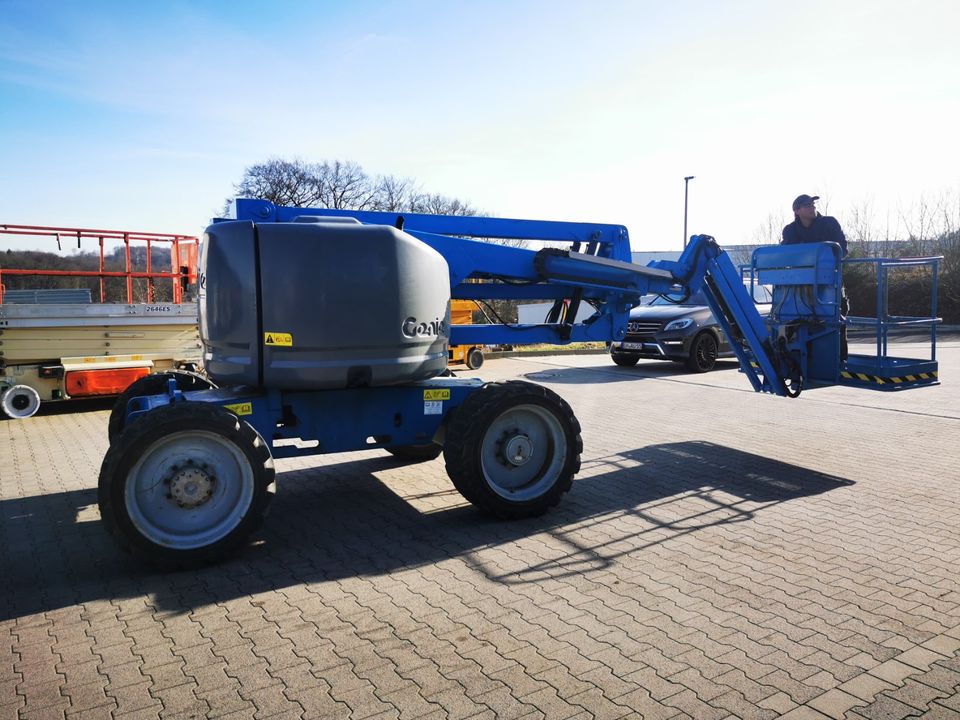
(823, 229)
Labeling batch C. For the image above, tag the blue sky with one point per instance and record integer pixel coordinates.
(142, 116)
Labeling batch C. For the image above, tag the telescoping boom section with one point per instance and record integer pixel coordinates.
(328, 330)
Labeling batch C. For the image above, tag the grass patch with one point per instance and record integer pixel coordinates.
(541, 347)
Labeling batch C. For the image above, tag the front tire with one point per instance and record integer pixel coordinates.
(185, 484)
(513, 448)
(703, 353)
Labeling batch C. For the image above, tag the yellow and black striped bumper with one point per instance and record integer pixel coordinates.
(900, 380)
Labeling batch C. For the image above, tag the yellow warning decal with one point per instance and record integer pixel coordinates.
(278, 339)
(240, 408)
(436, 394)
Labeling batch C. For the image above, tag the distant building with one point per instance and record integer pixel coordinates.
(644, 258)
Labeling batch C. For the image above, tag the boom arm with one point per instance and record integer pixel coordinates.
(705, 266)
(797, 345)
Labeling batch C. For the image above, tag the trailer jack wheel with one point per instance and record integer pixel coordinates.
(185, 484)
(513, 448)
(19, 402)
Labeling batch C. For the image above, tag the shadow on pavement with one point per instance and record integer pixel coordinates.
(644, 370)
(81, 405)
(340, 521)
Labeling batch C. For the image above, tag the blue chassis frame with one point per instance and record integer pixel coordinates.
(327, 421)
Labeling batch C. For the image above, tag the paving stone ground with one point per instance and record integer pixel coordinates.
(722, 555)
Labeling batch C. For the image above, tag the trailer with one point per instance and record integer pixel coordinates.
(310, 364)
(116, 325)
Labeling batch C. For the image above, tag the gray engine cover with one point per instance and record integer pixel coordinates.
(316, 305)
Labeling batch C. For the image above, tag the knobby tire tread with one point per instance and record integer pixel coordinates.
(465, 434)
(175, 418)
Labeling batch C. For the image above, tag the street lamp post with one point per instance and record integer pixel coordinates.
(686, 185)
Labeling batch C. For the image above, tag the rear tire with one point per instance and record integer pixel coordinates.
(513, 448)
(152, 385)
(185, 484)
(703, 353)
(625, 360)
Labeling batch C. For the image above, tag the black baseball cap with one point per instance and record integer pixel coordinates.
(804, 200)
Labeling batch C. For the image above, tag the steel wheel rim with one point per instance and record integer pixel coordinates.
(536, 434)
(158, 517)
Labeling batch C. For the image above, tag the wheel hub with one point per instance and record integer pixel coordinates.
(191, 486)
(517, 449)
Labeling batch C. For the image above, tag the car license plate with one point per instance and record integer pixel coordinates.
(632, 346)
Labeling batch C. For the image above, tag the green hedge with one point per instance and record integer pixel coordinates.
(910, 289)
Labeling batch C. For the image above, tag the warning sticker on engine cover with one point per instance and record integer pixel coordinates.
(436, 394)
(432, 407)
(278, 339)
(240, 408)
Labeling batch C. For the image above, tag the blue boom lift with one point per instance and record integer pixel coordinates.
(189, 472)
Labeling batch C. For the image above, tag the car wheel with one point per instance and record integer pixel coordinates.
(703, 353)
(625, 360)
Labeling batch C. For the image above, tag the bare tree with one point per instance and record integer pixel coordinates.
(770, 231)
(394, 194)
(437, 204)
(341, 186)
(282, 182)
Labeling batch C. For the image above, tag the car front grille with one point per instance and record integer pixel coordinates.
(643, 329)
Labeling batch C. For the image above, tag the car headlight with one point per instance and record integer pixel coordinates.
(678, 324)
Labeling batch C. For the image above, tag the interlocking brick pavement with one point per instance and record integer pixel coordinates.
(722, 554)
